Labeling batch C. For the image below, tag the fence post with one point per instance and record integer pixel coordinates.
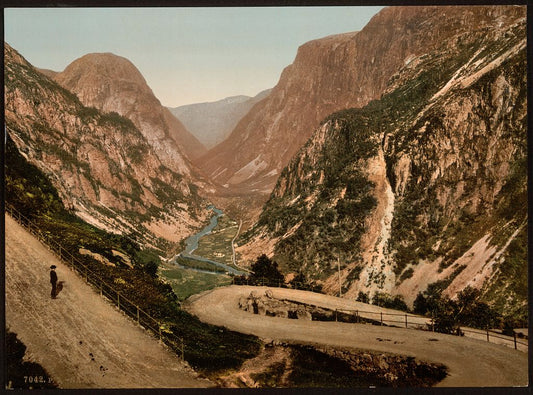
(182, 350)
(159, 326)
(118, 300)
(335, 315)
(514, 336)
(357, 316)
(406, 320)
(101, 289)
(381, 313)
(487, 334)
(138, 320)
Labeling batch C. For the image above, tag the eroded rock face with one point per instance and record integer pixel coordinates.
(413, 185)
(330, 74)
(102, 165)
(266, 304)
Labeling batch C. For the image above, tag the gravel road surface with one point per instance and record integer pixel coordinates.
(470, 362)
(80, 338)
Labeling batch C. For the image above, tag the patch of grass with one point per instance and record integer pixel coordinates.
(356, 369)
(187, 282)
(194, 264)
(408, 273)
(217, 245)
(312, 368)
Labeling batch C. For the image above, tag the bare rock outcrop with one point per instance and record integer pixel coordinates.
(330, 74)
(103, 167)
(429, 178)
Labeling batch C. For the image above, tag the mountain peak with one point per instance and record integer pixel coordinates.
(112, 83)
(98, 69)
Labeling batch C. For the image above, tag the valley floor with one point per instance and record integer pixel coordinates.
(470, 362)
(80, 338)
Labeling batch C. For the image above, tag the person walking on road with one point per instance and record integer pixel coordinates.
(53, 281)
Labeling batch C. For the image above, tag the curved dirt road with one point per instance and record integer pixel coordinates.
(79, 338)
(470, 362)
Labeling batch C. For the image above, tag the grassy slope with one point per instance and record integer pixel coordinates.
(187, 282)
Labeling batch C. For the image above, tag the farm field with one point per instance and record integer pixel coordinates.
(187, 282)
(217, 245)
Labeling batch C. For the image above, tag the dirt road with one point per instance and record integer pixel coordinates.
(79, 338)
(470, 362)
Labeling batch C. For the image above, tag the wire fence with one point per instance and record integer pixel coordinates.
(394, 319)
(143, 319)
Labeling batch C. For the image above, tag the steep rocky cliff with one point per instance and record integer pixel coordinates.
(426, 184)
(331, 74)
(104, 168)
(212, 122)
(112, 83)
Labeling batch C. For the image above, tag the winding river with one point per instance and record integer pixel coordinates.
(192, 245)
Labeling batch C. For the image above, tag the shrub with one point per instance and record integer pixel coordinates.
(363, 297)
(264, 269)
(383, 299)
(147, 260)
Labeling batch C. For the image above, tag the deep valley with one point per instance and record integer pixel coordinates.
(385, 172)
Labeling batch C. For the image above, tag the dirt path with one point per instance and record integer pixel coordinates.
(470, 362)
(79, 338)
(389, 317)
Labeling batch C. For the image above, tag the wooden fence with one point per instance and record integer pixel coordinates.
(141, 317)
(402, 320)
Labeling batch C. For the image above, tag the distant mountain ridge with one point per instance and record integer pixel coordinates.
(327, 75)
(212, 122)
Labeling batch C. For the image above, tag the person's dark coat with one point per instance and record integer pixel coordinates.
(53, 276)
(53, 281)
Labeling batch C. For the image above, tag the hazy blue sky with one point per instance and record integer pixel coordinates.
(187, 55)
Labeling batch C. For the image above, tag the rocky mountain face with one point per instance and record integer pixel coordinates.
(212, 122)
(112, 83)
(104, 168)
(328, 75)
(425, 185)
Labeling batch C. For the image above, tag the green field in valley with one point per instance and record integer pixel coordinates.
(187, 282)
(217, 245)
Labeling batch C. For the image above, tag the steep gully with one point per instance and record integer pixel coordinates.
(376, 254)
